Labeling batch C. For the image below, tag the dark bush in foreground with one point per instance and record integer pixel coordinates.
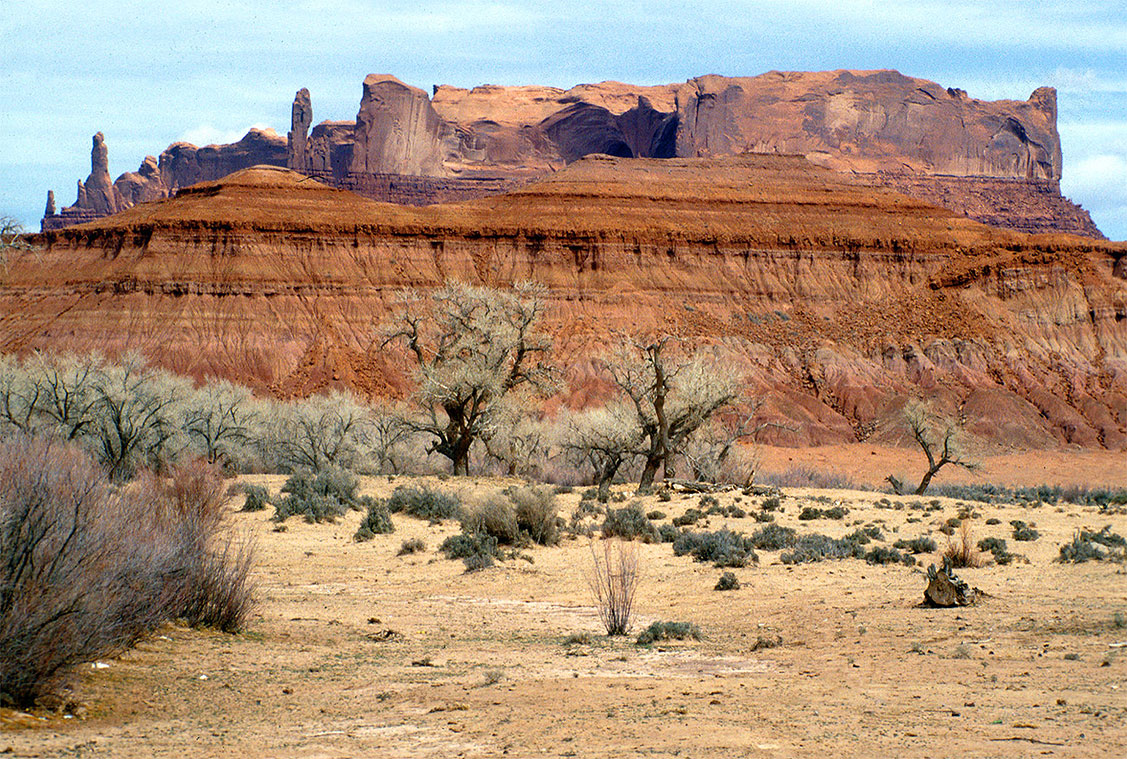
(996, 546)
(424, 503)
(813, 512)
(1023, 531)
(257, 498)
(320, 497)
(817, 547)
(773, 537)
(690, 517)
(1083, 548)
(630, 523)
(723, 548)
(413, 545)
(476, 549)
(922, 544)
(668, 631)
(376, 522)
(87, 570)
(727, 581)
(886, 555)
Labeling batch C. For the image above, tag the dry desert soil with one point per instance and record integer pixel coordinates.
(355, 651)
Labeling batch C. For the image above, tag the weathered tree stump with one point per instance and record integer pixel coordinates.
(944, 589)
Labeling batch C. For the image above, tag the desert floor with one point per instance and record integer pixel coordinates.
(355, 651)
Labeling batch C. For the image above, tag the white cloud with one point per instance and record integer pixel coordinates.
(206, 134)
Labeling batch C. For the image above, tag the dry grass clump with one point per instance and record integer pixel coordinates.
(962, 552)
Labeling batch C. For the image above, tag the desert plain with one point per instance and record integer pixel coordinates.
(355, 650)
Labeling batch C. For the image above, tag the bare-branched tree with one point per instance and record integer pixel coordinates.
(672, 397)
(714, 453)
(942, 439)
(219, 418)
(137, 419)
(606, 438)
(11, 239)
(315, 433)
(472, 347)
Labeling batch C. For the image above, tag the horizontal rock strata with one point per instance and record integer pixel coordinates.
(837, 300)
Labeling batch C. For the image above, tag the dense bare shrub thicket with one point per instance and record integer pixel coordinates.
(87, 569)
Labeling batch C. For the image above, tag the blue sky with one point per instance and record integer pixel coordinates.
(150, 73)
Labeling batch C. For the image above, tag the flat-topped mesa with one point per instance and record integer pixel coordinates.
(996, 161)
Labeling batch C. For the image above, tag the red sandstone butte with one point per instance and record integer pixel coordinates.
(998, 162)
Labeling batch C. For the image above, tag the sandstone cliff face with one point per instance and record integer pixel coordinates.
(397, 130)
(870, 121)
(183, 164)
(907, 133)
(834, 299)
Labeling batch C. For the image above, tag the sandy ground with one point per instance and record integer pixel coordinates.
(355, 651)
(868, 465)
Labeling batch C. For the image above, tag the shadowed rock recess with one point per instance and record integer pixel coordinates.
(998, 162)
(837, 299)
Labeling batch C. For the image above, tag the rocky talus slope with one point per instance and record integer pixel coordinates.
(835, 299)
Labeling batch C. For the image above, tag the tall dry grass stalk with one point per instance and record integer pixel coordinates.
(613, 579)
(962, 552)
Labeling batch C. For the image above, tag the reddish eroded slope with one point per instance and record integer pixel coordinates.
(835, 299)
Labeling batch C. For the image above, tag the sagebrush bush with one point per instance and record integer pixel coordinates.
(630, 523)
(817, 547)
(668, 631)
(319, 497)
(257, 498)
(996, 546)
(477, 550)
(1083, 548)
(773, 537)
(922, 544)
(690, 517)
(87, 569)
(887, 555)
(1024, 532)
(727, 581)
(376, 522)
(813, 512)
(723, 548)
(423, 503)
(412, 545)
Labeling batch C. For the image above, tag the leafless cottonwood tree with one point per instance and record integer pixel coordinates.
(11, 239)
(219, 418)
(714, 454)
(942, 439)
(606, 438)
(671, 397)
(315, 433)
(472, 348)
